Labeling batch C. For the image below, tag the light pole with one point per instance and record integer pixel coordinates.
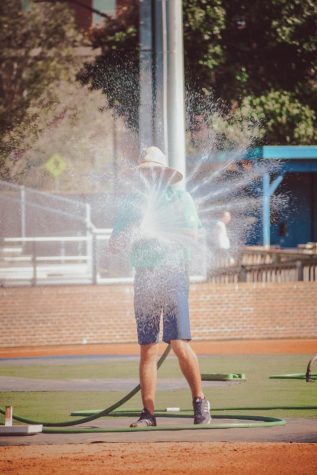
(162, 111)
(175, 86)
(146, 107)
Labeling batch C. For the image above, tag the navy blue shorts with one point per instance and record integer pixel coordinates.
(161, 292)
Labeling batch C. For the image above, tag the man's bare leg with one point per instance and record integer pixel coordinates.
(148, 375)
(189, 365)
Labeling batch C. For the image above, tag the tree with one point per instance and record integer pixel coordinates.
(46, 112)
(234, 49)
(116, 69)
(73, 125)
(204, 22)
(268, 46)
(268, 55)
(36, 49)
(283, 118)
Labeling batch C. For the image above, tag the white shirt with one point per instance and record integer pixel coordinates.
(221, 236)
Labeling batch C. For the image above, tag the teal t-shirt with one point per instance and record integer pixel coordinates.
(157, 226)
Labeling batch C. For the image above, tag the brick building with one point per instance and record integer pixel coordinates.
(86, 11)
(85, 15)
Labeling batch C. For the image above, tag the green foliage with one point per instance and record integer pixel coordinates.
(235, 50)
(257, 56)
(283, 118)
(47, 111)
(268, 46)
(236, 130)
(116, 69)
(36, 49)
(75, 123)
(269, 64)
(204, 22)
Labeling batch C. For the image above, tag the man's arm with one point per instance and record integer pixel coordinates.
(115, 244)
(126, 226)
(120, 241)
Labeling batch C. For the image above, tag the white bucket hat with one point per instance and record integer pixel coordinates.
(154, 158)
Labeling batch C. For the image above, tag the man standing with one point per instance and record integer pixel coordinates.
(157, 224)
(221, 241)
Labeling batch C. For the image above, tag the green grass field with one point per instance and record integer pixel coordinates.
(257, 391)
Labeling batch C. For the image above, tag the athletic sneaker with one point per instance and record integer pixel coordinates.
(201, 411)
(145, 419)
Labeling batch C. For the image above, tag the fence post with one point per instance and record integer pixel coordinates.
(242, 275)
(94, 259)
(300, 270)
(63, 251)
(34, 279)
(23, 211)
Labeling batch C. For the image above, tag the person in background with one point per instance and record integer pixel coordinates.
(220, 240)
(156, 226)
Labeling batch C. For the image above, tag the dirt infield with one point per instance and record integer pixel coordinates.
(229, 347)
(142, 456)
(173, 458)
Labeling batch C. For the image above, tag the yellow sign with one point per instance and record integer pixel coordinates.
(55, 165)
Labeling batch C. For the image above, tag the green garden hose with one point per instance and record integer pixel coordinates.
(308, 376)
(164, 413)
(92, 417)
(223, 377)
(259, 421)
(301, 376)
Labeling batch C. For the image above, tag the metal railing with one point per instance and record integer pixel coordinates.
(287, 271)
(86, 260)
(262, 255)
(50, 260)
(28, 212)
(66, 260)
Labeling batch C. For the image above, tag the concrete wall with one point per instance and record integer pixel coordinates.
(100, 314)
